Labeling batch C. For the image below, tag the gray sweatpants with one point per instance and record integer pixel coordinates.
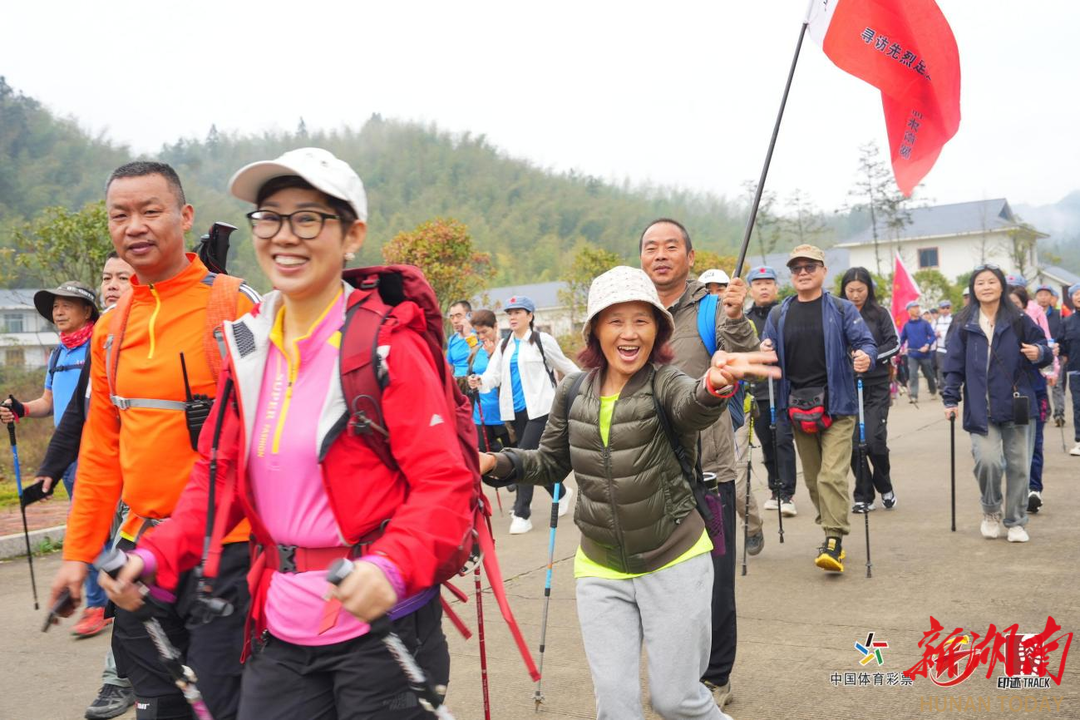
(1003, 451)
(669, 611)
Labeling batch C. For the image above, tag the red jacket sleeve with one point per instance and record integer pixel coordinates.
(177, 543)
(427, 529)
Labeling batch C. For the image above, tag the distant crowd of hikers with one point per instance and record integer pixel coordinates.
(235, 448)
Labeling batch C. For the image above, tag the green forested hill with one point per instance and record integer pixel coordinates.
(528, 218)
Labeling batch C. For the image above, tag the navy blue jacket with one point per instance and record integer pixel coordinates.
(966, 364)
(918, 333)
(1070, 343)
(844, 331)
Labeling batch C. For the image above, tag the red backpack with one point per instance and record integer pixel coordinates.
(367, 328)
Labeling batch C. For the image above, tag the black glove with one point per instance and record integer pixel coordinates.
(16, 407)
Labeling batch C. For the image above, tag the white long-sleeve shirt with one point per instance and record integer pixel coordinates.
(535, 381)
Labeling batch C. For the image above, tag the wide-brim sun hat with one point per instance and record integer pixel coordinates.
(44, 299)
(319, 167)
(622, 284)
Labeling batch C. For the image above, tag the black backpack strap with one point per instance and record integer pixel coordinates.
(692, 474)
(572, 395)
(54, 358)
(540, 345)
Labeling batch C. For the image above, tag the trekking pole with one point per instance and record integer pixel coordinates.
(952, 466)
(746, 502)
(861, 479)
(487, 446)
(22, 508)
(429, 696)
(538, 696)
(111, 562)
(483, 643)
(776, 458)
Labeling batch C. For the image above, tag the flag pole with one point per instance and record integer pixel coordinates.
(772, 145)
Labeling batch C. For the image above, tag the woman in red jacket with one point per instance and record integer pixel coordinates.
(312, 492)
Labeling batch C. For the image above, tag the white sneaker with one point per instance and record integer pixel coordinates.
(787, 508)
(520, 526)
(991, 526)
(1075, 450)
(1018, 534)
(564, 500)
(772, 503)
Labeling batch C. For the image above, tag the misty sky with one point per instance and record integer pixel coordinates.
(677, 93)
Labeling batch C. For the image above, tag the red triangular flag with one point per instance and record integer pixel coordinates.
(904, 290)
(906, 49)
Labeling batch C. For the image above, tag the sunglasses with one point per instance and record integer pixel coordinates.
(985, 266)
(808, 268)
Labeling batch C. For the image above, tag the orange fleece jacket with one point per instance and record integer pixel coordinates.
(143, 453)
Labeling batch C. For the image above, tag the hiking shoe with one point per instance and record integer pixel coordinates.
(888, 500)
(1034, 501)
(91, 623)
(772, 503)
(991, 527)
(1018, 534)
(860, 508)
(1076, 450)
(755, 543)
(721, 693)
(520, 525)
(787, 507)
(831, 557)
(1059, 421)
(112, 701)
(564, 500)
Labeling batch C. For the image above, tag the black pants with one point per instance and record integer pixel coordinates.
(492, 438)
(783, 484)
(528, 438)
(722, 654)
(876, 401)
(353, 680)
(212, 650)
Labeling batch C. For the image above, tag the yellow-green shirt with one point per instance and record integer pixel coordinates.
(583, 566)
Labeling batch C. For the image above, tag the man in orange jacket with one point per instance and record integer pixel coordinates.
(136, 442)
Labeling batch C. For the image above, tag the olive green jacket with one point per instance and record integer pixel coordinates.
(691, 356)
(635, 510)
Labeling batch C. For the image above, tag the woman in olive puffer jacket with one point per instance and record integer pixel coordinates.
(642, 571)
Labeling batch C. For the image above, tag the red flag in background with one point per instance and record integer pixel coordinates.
(906, 49)
(904, 290)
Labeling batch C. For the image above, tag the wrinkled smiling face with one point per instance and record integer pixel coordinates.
(664, 256)
(69, 314)
(626, 333)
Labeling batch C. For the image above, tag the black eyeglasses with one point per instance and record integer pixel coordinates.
(807, 268)
(305, 224)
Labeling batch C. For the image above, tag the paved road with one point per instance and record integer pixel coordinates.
(797, 626)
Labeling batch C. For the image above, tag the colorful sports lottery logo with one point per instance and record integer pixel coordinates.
(871, 650)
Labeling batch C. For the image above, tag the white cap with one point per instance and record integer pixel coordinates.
(319, 167)
(714, 276)
(620, 285)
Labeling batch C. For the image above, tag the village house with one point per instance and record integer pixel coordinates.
(26, 338)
